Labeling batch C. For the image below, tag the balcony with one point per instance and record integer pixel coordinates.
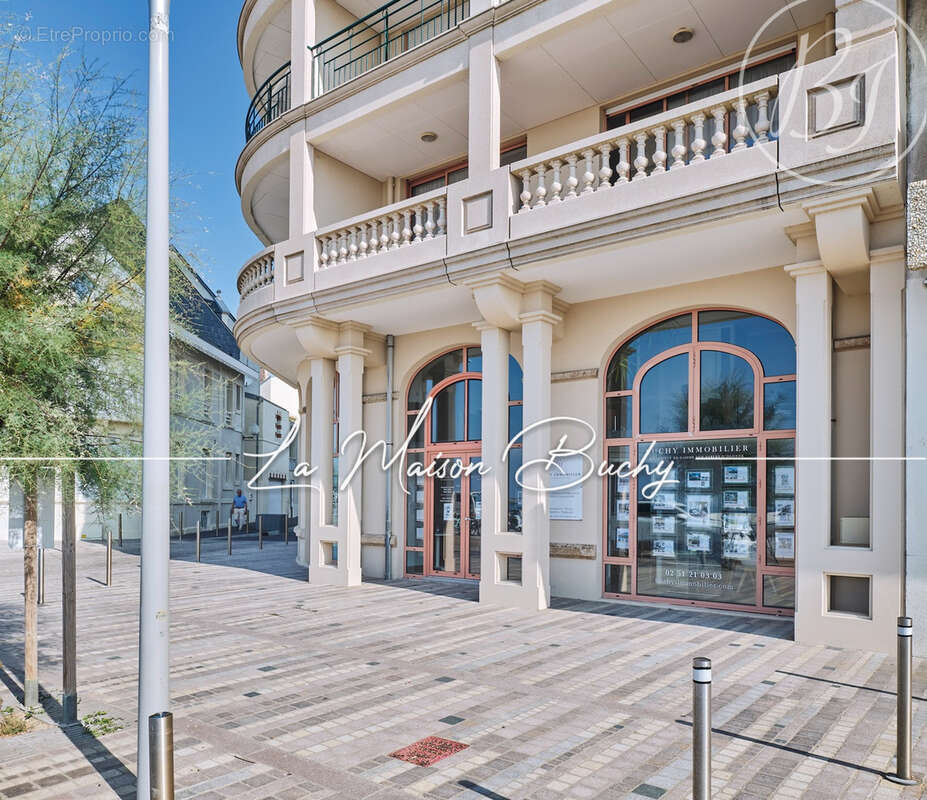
(389, 31)
(270, 101)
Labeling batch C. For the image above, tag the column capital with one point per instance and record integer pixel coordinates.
(540, 316)
(805, 268)
(352, 350)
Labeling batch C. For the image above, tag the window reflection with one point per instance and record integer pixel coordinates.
(768, 340)
(447, 414)
(633, 355)
(726, 392)
(664, 396)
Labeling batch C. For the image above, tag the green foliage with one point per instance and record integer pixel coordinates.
(72, 260)
(99, 723)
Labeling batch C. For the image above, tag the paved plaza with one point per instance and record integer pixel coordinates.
(285, 690)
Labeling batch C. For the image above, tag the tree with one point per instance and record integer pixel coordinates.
(71, 288)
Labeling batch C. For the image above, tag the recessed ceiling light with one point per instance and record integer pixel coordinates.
(429, 136)
(683, 35)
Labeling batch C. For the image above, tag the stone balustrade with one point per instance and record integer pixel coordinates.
(701, 131)
(402, 224)
(257, 273)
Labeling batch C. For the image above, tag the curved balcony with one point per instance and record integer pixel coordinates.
(257, 273)
(270, 101)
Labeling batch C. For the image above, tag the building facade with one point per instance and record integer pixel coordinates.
(677, 230)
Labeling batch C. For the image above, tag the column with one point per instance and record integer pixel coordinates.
(302, 35)
(302, 201)
(536, 338)
(494, 342)
(321, 409)
(814, 344)
(351, 355)
(886, 408)
(303, 500)
(484, 109)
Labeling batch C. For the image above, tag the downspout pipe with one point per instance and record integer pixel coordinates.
(387, 567)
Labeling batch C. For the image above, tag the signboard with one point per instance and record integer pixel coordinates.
(566, 503)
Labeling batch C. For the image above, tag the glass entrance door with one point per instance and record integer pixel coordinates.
(456, 511)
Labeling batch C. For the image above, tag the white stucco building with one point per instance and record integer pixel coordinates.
(682, 223)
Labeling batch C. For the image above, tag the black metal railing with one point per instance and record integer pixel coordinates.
(270, 101)
(390, 31)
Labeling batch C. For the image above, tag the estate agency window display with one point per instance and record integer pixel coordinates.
(712, 391)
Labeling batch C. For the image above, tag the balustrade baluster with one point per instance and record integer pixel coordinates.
(740, 131)
(442, 219)
(659, 154)
(679, 144)
(418, 229)
(698, 139)
(373, 239)
(762, 121)
(323, 252)
(333, 251)
(406, 227)
(556, 187)
(352, 245)
(719, 138)
(641, 162)
(362, 244)
(525, 195)
(624, 166)
(589, 174)
(343, 248)
(394, 232)
(540, 193)
(384, 234)
(605, 169)
(430, 222)
(572, 180)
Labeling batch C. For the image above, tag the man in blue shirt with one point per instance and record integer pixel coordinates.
(239, 507)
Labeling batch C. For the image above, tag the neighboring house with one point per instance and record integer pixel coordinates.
(216, 372)
(682, 222)
(267, 426)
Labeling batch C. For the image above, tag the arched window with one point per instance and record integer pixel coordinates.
(712, 392)
(443, 513)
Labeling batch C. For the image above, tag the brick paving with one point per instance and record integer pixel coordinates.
(286, 690)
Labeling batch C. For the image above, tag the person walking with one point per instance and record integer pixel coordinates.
(239, 508)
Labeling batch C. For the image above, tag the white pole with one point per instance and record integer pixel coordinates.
(153, 661)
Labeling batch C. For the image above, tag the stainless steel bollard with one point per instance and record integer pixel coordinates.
(701, 729)
(109, 558)
(40, 566)
(180, 526)
(902, 772)
(230, 535)
(286, 530)
(260, 521)
(161, 755)
(197, 542)
(120, 529)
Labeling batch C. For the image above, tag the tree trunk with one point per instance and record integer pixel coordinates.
(31, 611)
(68, 601)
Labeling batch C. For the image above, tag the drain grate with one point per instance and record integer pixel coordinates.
(428, 751)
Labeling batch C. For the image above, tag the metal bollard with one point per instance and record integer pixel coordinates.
(120, 529)
(161, 755)
(260, 521)
(286, 531)
(701, 729)
(902, 772)
(109, 558)
(197, 542)
(230, 536)
(40, 566)
(180, 526)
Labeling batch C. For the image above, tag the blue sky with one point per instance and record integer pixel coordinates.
(208, 105)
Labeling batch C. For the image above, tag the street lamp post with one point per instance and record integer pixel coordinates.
(153, 661)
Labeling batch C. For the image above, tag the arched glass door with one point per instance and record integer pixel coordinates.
(712, 391)
(444, 508)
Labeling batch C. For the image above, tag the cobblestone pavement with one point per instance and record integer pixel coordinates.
(287, 690)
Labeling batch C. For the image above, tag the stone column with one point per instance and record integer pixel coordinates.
(351, 354)
(536, 337)
(322, 392)
(302, 35)
(814, 343)
(494, 342)
(302, 201)
(303, 499)
(484, 108)
(886, 405)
